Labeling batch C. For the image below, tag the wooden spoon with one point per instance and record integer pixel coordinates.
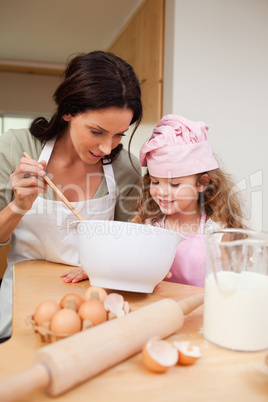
(62, 197)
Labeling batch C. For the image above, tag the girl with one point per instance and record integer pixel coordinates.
(79, 148)
(185, 190)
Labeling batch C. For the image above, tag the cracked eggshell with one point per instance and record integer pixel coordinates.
(159, 355)
(71, 300)
(114, 303)
(95, 292)
(126, 307)
(187, 354)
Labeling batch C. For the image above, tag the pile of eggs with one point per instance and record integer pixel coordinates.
(53, 321)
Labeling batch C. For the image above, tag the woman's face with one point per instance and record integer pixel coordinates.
(176, 195)
(95, 133)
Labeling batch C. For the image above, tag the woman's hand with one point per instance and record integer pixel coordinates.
(27, 182)
(74, 276)
(168, 276)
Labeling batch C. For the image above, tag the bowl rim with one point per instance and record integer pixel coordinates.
(139, 226)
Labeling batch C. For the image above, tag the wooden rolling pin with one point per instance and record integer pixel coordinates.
(64, 364)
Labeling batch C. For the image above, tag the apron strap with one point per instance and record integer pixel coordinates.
(47, 150)
(202, 223)
(110, 180)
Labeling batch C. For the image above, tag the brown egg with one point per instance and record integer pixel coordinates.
(95, 292)
(93, 310)
(71, 300)
(66, 321)
(187, 355)
(45, 311)
(159, 355)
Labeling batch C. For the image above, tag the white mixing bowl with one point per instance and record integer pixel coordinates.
(125, 256)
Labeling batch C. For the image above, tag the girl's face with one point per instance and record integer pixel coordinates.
(176, 195)
(95, 133)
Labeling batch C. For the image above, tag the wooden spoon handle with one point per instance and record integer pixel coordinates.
(59, 193)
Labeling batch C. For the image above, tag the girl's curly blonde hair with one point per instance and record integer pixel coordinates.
(219, 201)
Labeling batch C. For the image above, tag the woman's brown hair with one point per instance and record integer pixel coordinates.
(92, 81)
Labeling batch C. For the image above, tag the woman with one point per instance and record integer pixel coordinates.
(80, 150)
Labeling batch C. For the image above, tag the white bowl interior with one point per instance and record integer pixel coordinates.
(125, 256)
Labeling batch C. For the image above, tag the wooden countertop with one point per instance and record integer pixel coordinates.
(220, 375)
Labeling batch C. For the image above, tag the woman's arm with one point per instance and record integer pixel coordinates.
(9, 220)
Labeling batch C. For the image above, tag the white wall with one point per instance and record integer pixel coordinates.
(216, 70)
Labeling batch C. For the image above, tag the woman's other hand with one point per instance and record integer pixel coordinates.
(27, 182)
(74, 275)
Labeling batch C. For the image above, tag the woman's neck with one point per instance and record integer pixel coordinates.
(77, 180)
(65, 150)
(67, 157)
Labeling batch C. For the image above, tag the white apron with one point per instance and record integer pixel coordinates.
(45, 233)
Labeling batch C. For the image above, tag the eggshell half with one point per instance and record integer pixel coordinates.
(114, 304)
(187, 355)
(159, 355)
(71, 299)
(95, 292)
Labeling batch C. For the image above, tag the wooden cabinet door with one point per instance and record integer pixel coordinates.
(141, 44)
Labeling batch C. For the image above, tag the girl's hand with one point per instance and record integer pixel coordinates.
(168, 276)
(27, 182)
(74, 276)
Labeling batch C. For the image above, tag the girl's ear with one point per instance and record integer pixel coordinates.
(67, 117)
(203, 182)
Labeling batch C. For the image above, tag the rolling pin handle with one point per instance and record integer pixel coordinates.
(20, 385)
(191, 303)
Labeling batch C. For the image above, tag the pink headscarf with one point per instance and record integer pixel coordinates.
(178, 147)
